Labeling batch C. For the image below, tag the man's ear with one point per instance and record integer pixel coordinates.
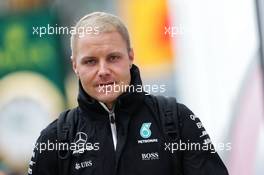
(74, 65)
(131, 56)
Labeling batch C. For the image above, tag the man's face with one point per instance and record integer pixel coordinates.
(103, 62)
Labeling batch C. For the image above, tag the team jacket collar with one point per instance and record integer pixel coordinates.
(126, 102)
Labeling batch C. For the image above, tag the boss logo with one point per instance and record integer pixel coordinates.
(150, 156)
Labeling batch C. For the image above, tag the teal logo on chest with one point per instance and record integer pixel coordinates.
(145, 131)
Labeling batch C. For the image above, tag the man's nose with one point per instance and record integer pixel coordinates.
(103, 70)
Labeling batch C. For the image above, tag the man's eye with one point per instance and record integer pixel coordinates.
(114, 58)
(90, 62)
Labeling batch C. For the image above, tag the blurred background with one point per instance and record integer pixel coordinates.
(208, 53)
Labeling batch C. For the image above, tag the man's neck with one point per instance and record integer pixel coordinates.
(109, 106)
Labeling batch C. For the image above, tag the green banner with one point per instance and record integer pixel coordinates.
(22, 48)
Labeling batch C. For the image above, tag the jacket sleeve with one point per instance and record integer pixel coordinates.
(44, 156)
(200, 157)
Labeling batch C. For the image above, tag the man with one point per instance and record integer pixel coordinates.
(116, 129)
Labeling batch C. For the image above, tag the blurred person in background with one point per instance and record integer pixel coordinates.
(117, 128)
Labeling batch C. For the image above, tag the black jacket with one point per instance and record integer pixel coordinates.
(135, 154)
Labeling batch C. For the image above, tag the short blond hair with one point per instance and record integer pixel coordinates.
(105, 22)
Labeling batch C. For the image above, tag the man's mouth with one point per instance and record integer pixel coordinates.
(106, 87)
(106, 84)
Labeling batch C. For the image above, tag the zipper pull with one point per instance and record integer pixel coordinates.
(112, 119)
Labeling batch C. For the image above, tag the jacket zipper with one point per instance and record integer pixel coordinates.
(111, 115)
